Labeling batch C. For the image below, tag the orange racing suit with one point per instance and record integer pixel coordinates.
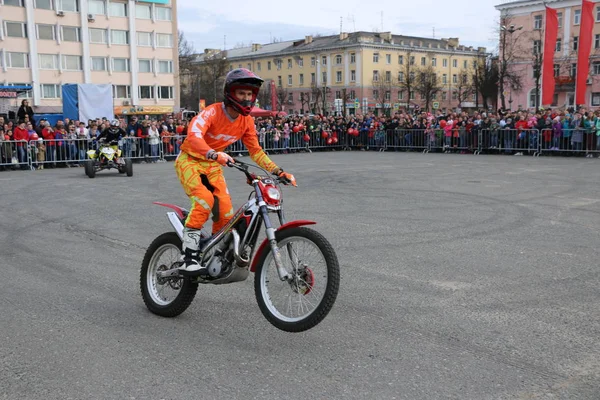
(202, 178)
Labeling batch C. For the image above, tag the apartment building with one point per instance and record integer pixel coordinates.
(526, 39)
(366, 69)
(129, 44)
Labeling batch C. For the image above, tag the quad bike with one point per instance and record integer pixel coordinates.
(108, 157)
(296, 270)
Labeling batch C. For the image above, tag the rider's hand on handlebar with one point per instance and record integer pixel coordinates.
(223, 158)
(286, 178)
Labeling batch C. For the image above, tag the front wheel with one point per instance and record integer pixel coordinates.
(167, 297)
(305, 301)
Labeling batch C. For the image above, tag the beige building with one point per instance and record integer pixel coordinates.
(129, 44)
(369, 67)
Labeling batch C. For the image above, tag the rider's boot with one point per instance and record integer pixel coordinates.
(191, 253)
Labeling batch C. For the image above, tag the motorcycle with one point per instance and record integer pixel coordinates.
(296, 270)
(108, 157)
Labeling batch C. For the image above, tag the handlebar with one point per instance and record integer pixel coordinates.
(242, 166)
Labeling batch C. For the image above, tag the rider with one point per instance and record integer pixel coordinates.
(202, 154)
(113, 133)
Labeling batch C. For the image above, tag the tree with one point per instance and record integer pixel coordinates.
(537, 59)
(382, 87)
(316, 94)
(282, 97)
(427, 85)
(189, 82)
(407, 78)
(305, 101)
(485, 80)
(464, 87)
(264, 96)
(509, 51)
(212, 73)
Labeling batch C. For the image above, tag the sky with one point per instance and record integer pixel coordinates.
(211, 24)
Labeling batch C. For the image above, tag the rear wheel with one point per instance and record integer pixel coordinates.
(129, 167)
(90, 169)
(167, 297)
(303, 302)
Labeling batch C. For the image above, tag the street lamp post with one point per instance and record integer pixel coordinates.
(511, 29)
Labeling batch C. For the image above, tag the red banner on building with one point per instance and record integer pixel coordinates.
(585, 48)
(548, 62)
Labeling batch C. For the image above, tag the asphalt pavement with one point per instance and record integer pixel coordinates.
(462, 277)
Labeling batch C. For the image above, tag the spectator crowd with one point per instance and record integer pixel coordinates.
(569, 132)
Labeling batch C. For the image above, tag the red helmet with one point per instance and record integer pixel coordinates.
(241, 78)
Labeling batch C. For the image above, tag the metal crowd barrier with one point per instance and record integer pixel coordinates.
(14, 154)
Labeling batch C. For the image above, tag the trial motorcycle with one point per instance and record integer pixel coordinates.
(296, 270)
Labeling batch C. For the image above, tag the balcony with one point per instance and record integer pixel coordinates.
(564, 83)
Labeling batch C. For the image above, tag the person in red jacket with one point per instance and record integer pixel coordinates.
(48, 135)
(21, 134)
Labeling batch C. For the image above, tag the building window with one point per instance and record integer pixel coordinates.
(98, 64)
(575, 42)
(537, 22)
(290, 80)
(556, 69)
(146, 92)
(313, 78)
(388, 76)
(559, 16)
(353, 75)
(258, 66)
(411, 61)
(16, 29)
(301, 62)
(144, 66)
(423, 61)
(277, 63)
(42, 4)
(464, 79)
(537, 46)
(596, 41)
(290, 98)
(313, 61)
(454, 78)
(164, 40)
(338, 94)
(16, 3)
(444, 79)
(376, 94)
(412, 95)
(279, 82)
(338, 76)
(375, 57)
(96, 7)
(48, 61)
(117, 9)
(338, 60)
(269, 65)
(18, 60)
(388, 95)
(324, 60)
(324, 77)
(71, 63)
(301, 79)
(444, 95)
(353, 94)
(434, 62)
(532, 98)
(400, 76)
(163, 14)
(121, 91)
(166, 67)
(98, 36)
(119, 37)
(289, 63)
(401, 95)
(573, 71)
(401, 60)
(375, 76)
(249, 67)
(144, 38)
(559, 45)
(576, 17)
(595, 99)
(70, 34)
(388, 58)
(165, 92)
(50, 91)
(465, 64)
(143, 11)
(120, 65)
(68, 5)
(445, 62)
(455, 63)
(352, 58)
